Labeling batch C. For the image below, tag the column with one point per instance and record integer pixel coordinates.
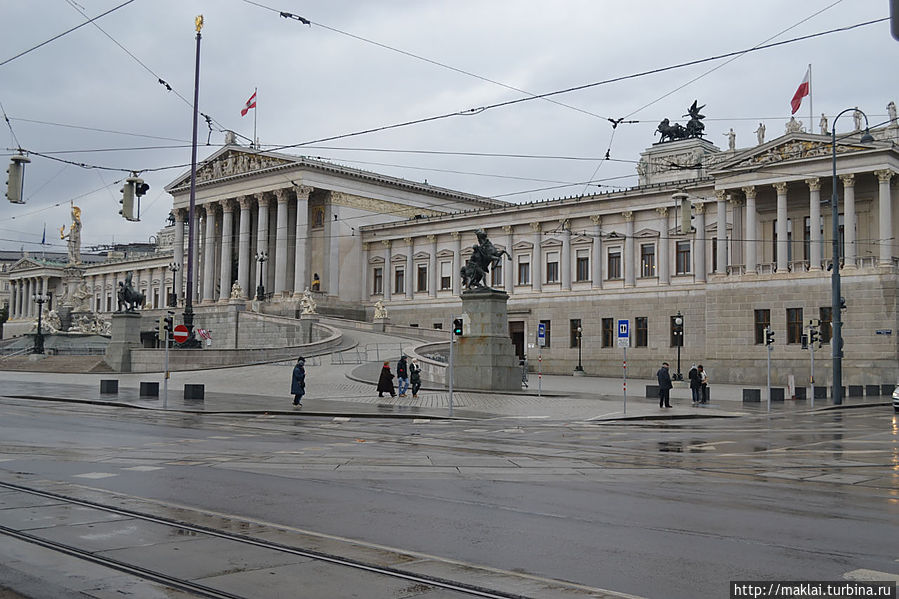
(814, 217)
(508, 271)
(849, 222)
(209, 255)
(457, 257)
(45, 286)
(432, 267)
(281, 242)
(29, 291)
(736, 247)
(630, 272)
(300, 276)
(177, 255)
(752, 220)
(721, 230)
(699, 266)
(386, 280)
(782, 244)
(225, 281)
(664, 265)
(13, 298)
(366, 292)
(410, 249)
(885, 211)
(565, 260)
(596, 262)
(334, 234)
(262, 235)
(536, 258)
(243, 246)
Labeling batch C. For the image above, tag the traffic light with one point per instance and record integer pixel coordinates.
(127, 200)
(160, 332)
(842, 303)
(814, 337)
(769, 336)
(457, 327)
(15, 183)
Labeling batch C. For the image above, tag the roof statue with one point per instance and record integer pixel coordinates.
(694, 127)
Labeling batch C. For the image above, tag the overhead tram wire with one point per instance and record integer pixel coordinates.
(50, 123)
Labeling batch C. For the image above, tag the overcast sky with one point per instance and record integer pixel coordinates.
(82, 98)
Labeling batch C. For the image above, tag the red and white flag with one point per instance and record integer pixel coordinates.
(801, 92)
(251, 103)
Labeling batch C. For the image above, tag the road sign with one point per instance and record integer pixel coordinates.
(541, 334)
(180, 333)
(624, 333)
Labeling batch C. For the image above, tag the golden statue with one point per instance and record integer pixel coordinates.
(199, 22)
(74, 236)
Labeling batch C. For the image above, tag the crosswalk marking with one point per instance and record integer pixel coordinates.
(95, 475)
(873, 575)
(143, 468)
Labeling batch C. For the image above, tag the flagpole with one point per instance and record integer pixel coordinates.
(811, 113)
(255, 110)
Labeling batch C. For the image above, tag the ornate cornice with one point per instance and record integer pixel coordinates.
(348, 200)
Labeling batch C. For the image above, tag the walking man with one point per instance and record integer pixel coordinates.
(298, 381)
(402, 376)
(664, 386)
(415, 378)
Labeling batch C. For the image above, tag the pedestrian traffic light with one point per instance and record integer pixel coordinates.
(457, 327)
(769, 337)
(15, 183)
(169, 322)
(127, 200)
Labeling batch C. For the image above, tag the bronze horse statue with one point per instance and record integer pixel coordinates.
(484, 257)
(129, 298)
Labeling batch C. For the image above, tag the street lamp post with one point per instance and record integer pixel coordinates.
(40, 300)
(836, 302)
(261, 257)
(173, 301)
(579, 369)
(679, 339)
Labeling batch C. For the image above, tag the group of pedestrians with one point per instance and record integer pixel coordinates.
(699, 385)
(407, 374)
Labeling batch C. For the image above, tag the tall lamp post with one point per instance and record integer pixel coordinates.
(679, 341)
(173, 300)
(836, 303)
(261, 257)
(40, 300)
(579, 369)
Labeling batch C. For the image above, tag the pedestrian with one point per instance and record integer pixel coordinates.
(402, 376)
(415, 378)
(664, 386)
(695, 383)
(523, 363)
(385, 381)
(298, 381)
(704, 384)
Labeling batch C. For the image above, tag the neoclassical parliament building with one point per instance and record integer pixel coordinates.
(756, 252)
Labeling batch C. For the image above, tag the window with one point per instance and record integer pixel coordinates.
(794, 325)
(552, 267)
(648, 260)
(378, 282)
(422, 277)
(714, 255)
(438, 326)
(496, 275)
(573, 325)
(614, 267)
(446, 280)
(548, 324)
(826, 316)
(399, 280)
(762, 322)
(641, 331)
(682, 258)
(583, 265)
(524, 270)
(608, 332)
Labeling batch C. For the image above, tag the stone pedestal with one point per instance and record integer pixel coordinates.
(484, 357)
(306, 322)
(379, 325)
(125, 337)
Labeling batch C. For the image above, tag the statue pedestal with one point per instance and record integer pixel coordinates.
(306, 322)
(125, 337)
(379, 325)
(484, 357)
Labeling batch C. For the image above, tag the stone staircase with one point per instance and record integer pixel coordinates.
(59, 364)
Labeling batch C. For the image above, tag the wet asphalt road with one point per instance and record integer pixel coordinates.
(672, 510)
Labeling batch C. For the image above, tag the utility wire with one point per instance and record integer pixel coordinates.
(8, 124)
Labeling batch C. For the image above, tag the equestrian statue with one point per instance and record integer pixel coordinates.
(129, 299)
(484, 258)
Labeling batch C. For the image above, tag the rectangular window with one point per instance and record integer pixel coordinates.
(714, 265)
(682, 258)
(438, 326)
(608, 332)
(574, 332)
(794, 325)
(422, 277)
(826, 316)
(552, 267)
(446, 279)
(524, 270)
(548, 324)
(641, 331)
(496, 275)
(583, 265)
(614, 264)
(762, 322)
(399, 280)
(377, 281)
(648, 260)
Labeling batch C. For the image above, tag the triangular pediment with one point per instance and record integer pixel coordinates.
(523, 245)
(581, 240)
(421, 255)
(28, 263)
(551, 243)
(643, 233)
(445, 253)
(231, 161)
(789, 148)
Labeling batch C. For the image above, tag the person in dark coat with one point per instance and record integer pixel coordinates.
(415, 378)
(385, 381)
(695, 384)
(664, 385)
(402, 376)
(298, 381)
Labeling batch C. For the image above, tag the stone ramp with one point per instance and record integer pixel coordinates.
(56, 364)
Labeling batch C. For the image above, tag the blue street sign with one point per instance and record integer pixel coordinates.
(541, 334)
(624, 333)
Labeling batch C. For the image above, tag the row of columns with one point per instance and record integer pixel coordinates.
(21, 304)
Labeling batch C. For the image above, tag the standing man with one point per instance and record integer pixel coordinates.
(402, 376)
(695, 383)
(298, 381)
(664, 386)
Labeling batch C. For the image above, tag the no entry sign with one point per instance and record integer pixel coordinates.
(180, 333)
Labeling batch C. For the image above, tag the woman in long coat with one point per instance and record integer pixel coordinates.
(298, 381)
(385, 381)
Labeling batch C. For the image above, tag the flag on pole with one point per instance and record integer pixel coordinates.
(801, 92)
(44, 238)
(251, 103)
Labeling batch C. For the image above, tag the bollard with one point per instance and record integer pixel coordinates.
(149, 389)
(777, 393)
(194, 392)
(109, 386)
(752, 395)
